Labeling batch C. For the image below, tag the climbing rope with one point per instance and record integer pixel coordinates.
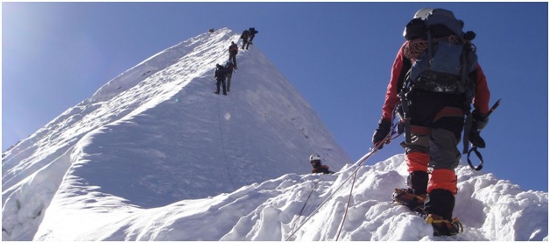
(387, 139)
(413, 48)
(307, 199)
(223, 146)
(347, 207)
(358, 164)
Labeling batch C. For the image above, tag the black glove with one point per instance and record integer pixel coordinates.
(480, 120)
(384, 127)
(476, 139)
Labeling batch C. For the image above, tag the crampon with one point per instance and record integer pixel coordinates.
(444, 227)
(407, 198)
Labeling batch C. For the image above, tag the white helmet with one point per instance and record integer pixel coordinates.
(314, 157)
(423, 12)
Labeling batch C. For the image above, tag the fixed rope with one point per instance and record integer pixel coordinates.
(358, 164)
(387, 139)
(223, 146)
(307, 199)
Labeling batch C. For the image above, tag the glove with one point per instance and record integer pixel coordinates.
(384, 127)
(480, 120)
(476, 139)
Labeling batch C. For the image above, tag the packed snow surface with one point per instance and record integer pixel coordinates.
(154, 154)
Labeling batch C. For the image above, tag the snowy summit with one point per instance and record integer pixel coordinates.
(155, 154)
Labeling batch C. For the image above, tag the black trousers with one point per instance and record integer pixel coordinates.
(222, 83)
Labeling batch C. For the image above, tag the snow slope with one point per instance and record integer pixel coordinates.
(155, 155)
(157, 134)
(310, 207)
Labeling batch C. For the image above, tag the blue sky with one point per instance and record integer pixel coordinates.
(338, 56)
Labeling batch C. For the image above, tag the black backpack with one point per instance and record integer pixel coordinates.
(220, 72)
(245, 35)
(441, 53)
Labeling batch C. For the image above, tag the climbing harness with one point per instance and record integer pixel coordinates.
(402, 111)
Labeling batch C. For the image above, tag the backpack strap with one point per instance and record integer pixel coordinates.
(467, 129)
(430, 49)
(404, 115)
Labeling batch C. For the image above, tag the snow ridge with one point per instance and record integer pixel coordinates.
(157, 134)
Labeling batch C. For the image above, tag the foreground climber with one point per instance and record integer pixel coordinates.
(434, 78)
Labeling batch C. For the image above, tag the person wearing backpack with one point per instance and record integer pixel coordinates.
(318, 167)
(432, 104)
(253, 33)
(245, 35)
(220, 75)
(233, 50)
(229, 73)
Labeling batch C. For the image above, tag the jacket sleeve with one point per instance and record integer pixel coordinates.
(396, 78)
(482, 93)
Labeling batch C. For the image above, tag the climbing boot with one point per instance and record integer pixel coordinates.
(407, 198)
(439, 207)
(444, 227)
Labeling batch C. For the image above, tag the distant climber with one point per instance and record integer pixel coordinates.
(315, 161)
(253, 33)
(229, 73)
(245, 35)
(220, 75)
(233, 50)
